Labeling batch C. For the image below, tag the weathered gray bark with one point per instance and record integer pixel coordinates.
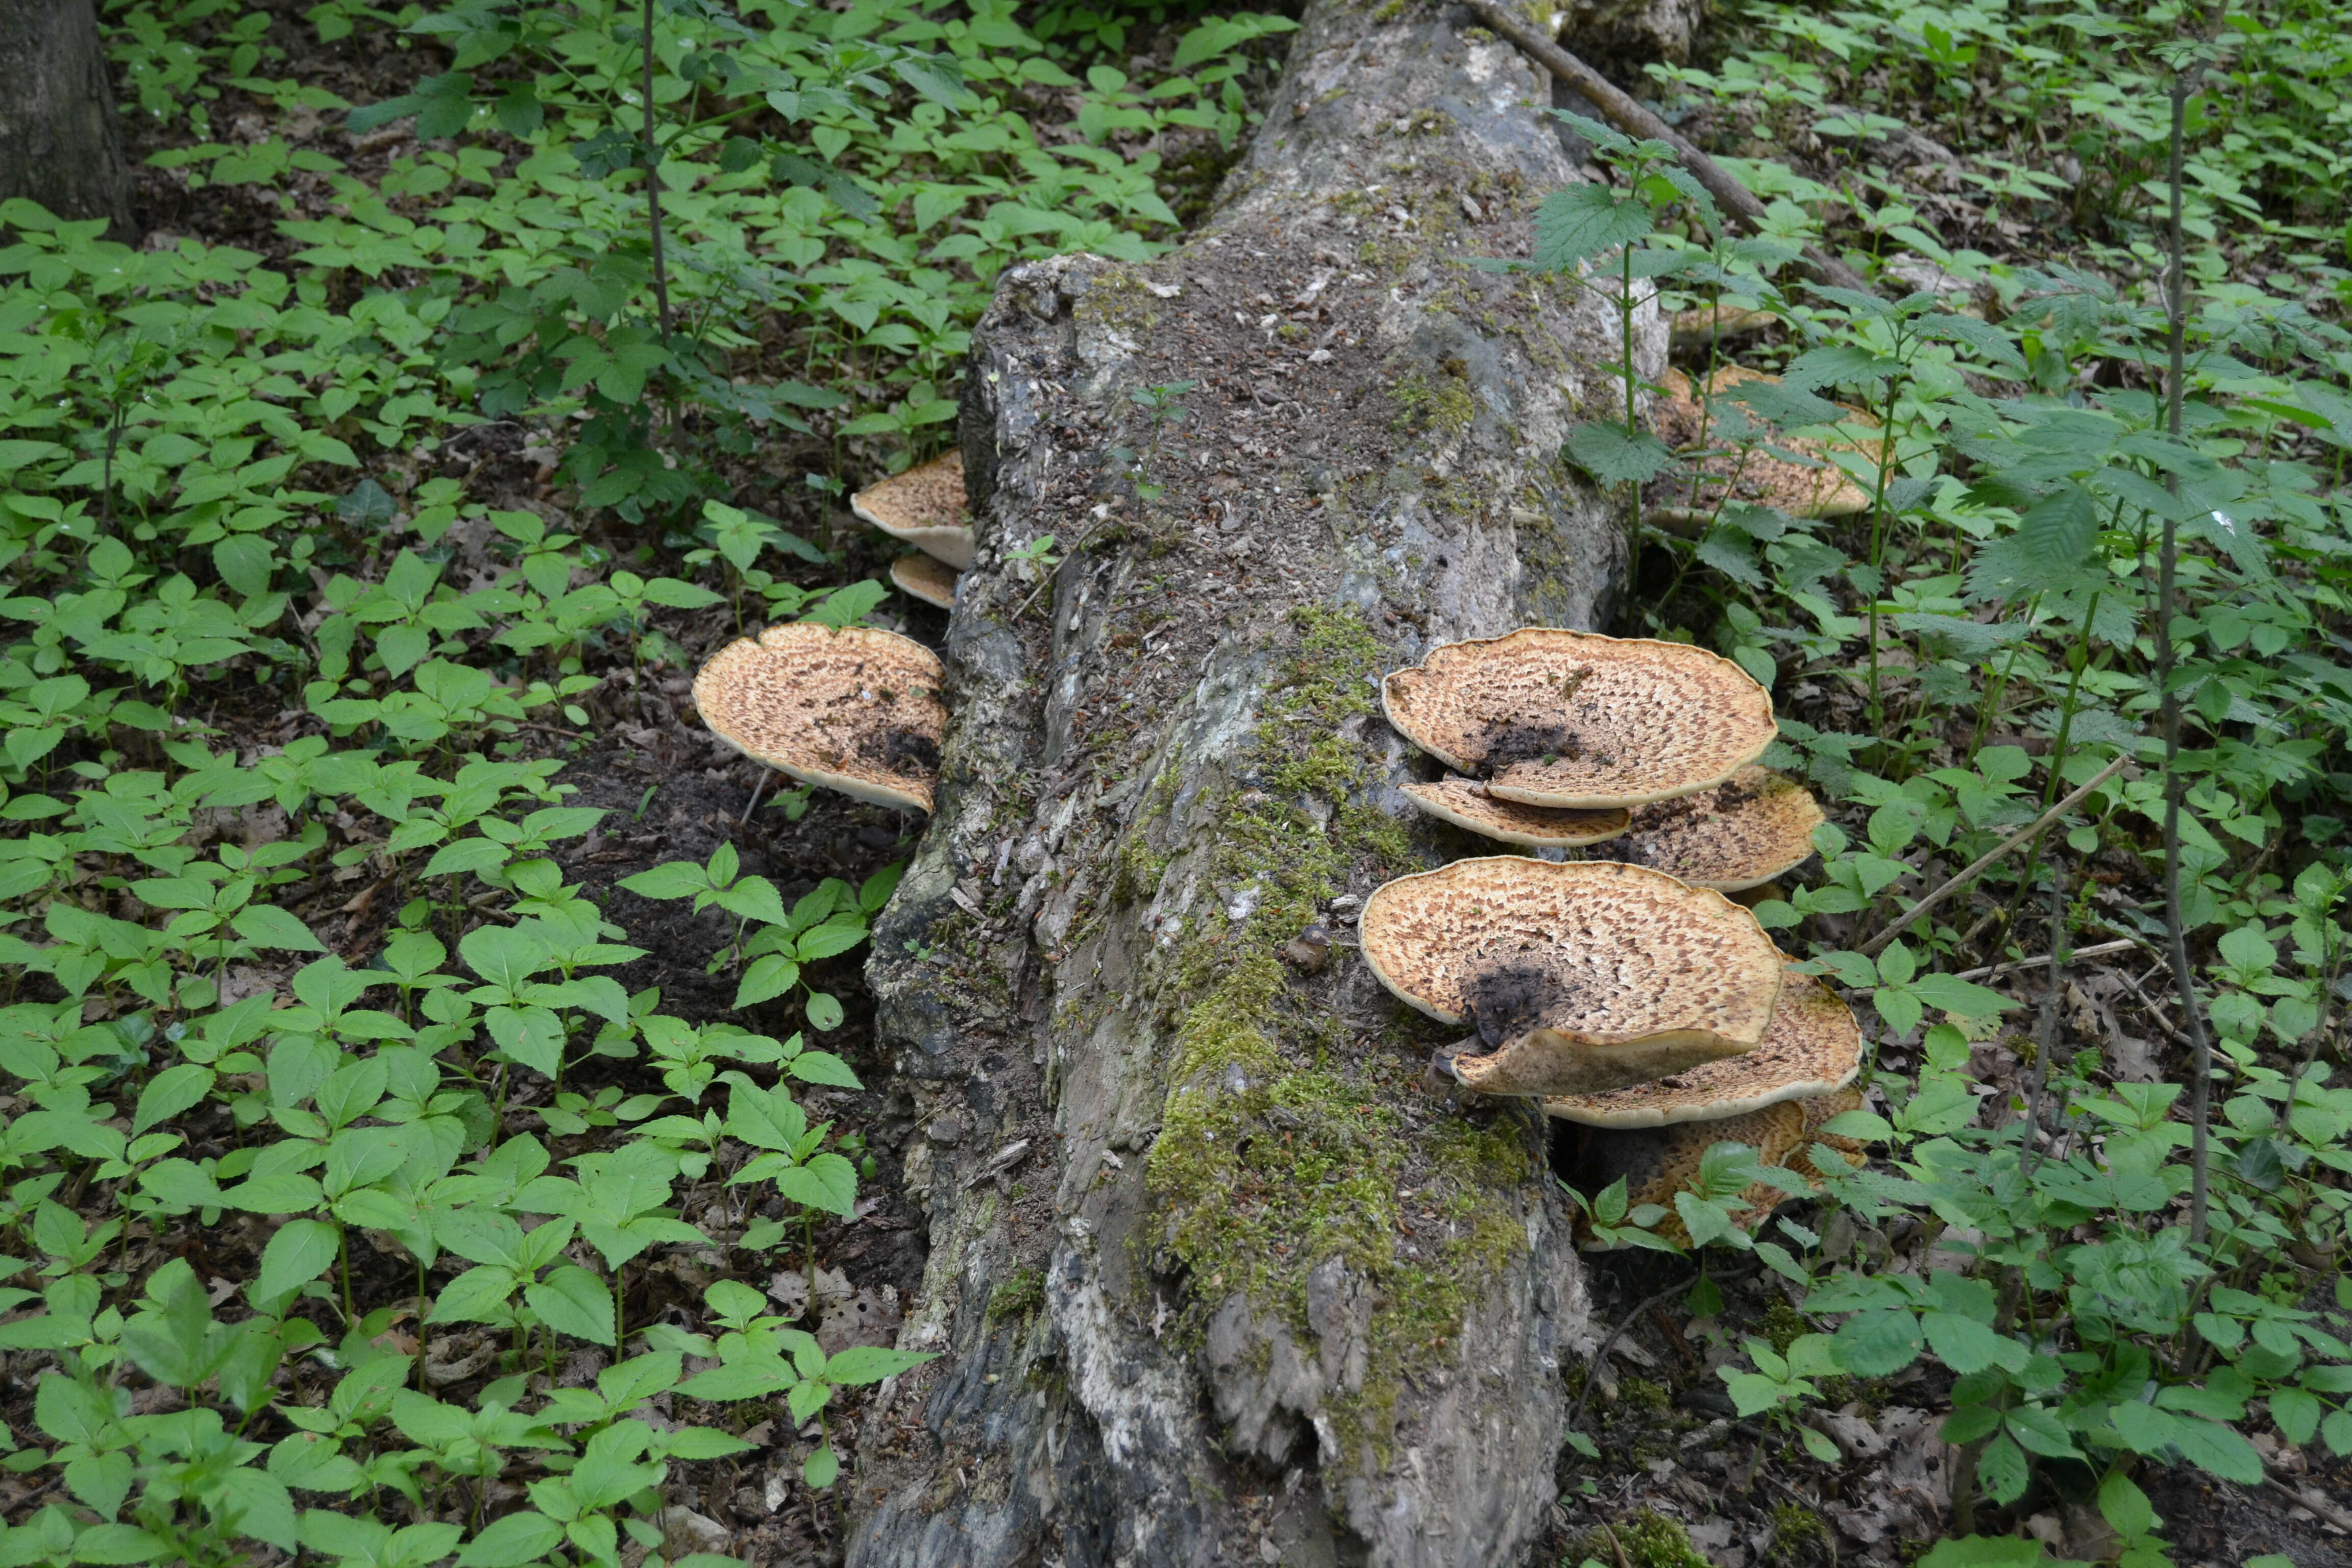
(61, 140)
(1251, 1286)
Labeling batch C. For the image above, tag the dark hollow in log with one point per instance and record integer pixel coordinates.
(1254, 1284)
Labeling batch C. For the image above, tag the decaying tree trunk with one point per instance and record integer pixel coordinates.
(1216, 1275)
(60, 142)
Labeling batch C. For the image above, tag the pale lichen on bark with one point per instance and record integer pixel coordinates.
(1253, 1281)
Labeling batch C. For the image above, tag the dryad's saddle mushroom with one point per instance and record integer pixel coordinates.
(1583, 977)
(1804, 483)
(1655, 1166)
(1739, 835)
(1576, 721)
(1813, 1046)
(856, 709)
(924, 506)
(926, 578)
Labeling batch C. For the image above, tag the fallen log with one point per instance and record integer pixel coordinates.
(1253, 1285)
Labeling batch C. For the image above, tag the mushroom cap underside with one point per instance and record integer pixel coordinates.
(926, 577)
(1466, 803)
(1813, 1046)
(925, 507)
(1592, 958)
(856, 709)
(1576, 721)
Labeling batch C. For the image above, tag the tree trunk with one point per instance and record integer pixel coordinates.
(1216, 1275)
(61, 140)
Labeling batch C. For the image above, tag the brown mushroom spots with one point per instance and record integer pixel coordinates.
(1655, 1166)
(1587, 976)
(856, 709)
(1466, 803)
(1811, 1046)
(1802, 483)
(1739, 835)
(1580, 722)
(927, 578)
(925, 507)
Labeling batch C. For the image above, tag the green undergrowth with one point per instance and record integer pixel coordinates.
(1278, 1147)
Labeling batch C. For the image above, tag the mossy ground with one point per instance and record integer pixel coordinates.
(1285, 1141)
(1649, 1539)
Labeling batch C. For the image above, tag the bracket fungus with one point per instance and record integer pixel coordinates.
(925, 507)
(1584, 976)
(1813, 1046)
(926, 577)
(1656, 1165)
(1580, 721)
(856, 709)
(1466, 803)
(1791, 473)
(1739, 835)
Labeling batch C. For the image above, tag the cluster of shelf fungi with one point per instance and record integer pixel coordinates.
(1632, 996)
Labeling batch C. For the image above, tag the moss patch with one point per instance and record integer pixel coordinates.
(1444, 405)
(1649, 1539)
(1279, 1148)
(1017, 1296)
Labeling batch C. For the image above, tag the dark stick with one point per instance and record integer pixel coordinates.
(2201, 1048)
(652, 180)
(1621, 109)
(1577, 1416)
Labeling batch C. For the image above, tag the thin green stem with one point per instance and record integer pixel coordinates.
(2201, 1048)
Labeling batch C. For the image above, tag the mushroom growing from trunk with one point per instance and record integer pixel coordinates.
(1811, 1046)
(1576, 721)
(1580, 977)
(856, 709)
(927, 578)
(925, 507)
(1738, 836)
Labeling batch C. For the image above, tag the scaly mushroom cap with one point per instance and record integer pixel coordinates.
(1580, 721)
(926, 577)
(925, 507)
(1658, 1165)
(856, 709)
(1466, 803)
(1813, 488)
(1707, 324)
(1737, 835)
(1813, 1046)
(1589, 975)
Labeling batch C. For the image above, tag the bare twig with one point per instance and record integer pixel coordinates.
(1994, 970)
(1976, 868)
(757, 785)
(1621, 109)
(2319, 1506)
(1576, 1416)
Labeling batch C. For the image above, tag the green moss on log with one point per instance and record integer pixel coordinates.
(1278, 1148)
